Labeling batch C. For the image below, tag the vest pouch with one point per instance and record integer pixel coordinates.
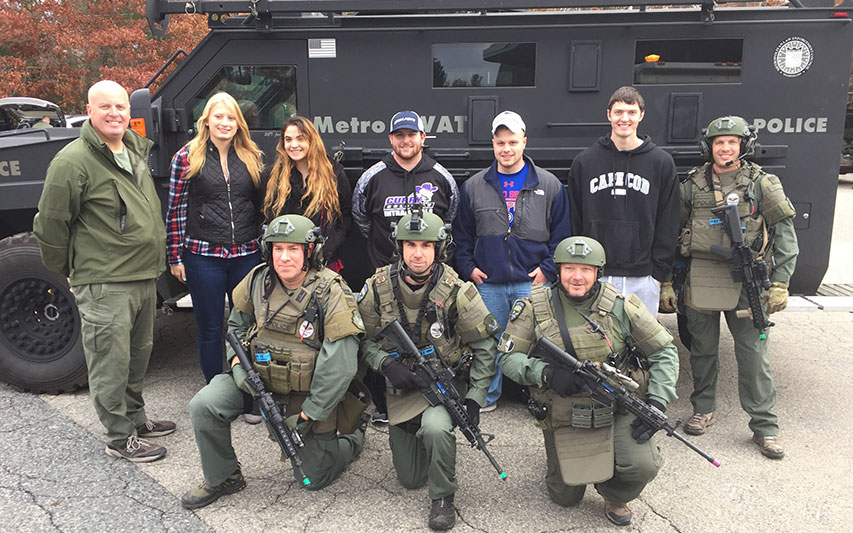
(591, 415)
(684, 242)
(278, 370)
(352, 406)
(301, 370)
(585, 455)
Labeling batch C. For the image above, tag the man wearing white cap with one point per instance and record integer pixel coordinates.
(511, 217)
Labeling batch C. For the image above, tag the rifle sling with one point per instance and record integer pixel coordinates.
(560, 317)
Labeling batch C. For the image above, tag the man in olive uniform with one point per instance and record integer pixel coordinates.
(302, 325)
(768, 217)
(437, 310)
(586, 442)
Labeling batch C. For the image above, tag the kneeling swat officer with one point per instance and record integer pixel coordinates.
(438, 312)
(303, 326)
(586, 442)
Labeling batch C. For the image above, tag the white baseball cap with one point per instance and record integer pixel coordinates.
(510, 120)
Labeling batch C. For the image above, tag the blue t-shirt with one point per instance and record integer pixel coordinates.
(511, 184)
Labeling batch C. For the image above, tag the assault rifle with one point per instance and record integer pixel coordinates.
(744, 267)
(606, 387)
(438, 377)
(288, 439)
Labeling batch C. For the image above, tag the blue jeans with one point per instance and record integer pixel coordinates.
(209, 279)
(499, 298)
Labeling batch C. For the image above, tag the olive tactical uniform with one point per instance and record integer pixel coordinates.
(449, 315)
(764, 210)
(584, 441)
(304, 345)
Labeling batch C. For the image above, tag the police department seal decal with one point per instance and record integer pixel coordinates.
(435, 330)
(793, 57)
(306, 329)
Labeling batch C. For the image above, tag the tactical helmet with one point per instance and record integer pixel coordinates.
(580, 250)
(417, 225)
(296, 229)
(729, 125)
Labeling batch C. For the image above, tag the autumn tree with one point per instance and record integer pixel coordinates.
(56, 49)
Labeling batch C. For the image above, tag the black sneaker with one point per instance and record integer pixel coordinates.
(442, 516)
(205, 495)
(378, 417)
(137, 450)
(155, 428)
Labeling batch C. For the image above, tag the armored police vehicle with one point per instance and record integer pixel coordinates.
(351, 65)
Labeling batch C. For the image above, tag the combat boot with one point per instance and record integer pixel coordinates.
(442, 516)
(619, 514)
(770, 446)
(698, 423)
(204, 494)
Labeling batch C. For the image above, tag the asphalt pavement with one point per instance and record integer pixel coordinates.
(55, 476)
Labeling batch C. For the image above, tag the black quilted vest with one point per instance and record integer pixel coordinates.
(220, 212)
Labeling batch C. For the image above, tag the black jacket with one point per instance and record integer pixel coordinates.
(629, 202)
(335, 231)
(384, 193)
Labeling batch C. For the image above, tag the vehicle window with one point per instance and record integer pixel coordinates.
(676, 61)
(267, 95)
(484, 65)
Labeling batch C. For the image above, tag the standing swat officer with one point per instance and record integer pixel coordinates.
(768, 218)
(586, 442)
(302, 326)
(437, 310)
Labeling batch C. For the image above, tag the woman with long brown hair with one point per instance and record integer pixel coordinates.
(306, 182)
(213, 218)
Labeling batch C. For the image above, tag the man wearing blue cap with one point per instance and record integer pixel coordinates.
(387, 191)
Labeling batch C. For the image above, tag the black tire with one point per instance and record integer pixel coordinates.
(41, 348)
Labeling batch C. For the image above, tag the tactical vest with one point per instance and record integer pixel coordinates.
(281, 352)
(704, 229)
(435, 330)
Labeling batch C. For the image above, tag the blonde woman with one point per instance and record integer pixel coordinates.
(213, 219)
(305, 181)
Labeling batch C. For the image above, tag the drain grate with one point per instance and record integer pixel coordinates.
(835, 289)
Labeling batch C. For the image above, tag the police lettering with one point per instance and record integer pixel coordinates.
(791, 124)
(10, 168)
(618, 180)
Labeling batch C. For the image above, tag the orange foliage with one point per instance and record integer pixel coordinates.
(56, 49)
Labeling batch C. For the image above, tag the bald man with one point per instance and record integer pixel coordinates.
(99, 224)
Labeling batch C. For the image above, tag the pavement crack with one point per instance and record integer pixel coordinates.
(320, 512)
(662, 517)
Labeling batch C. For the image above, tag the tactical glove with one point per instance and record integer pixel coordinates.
(239, 376)
(563, 382)
(640, 431)
(399, 374)
(473, 409)
(776, 297)
(667, 297)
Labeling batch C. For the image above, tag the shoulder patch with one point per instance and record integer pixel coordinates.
(517, 308)
(471, 292)
(491, 324)
(362, 294)
(356, 319)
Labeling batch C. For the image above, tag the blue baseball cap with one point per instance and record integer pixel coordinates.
(406, 120)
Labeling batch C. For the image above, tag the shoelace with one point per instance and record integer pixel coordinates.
(696, 418)
(149, 425)
(134, 443)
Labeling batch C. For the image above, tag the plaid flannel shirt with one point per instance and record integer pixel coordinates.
(176, 220)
